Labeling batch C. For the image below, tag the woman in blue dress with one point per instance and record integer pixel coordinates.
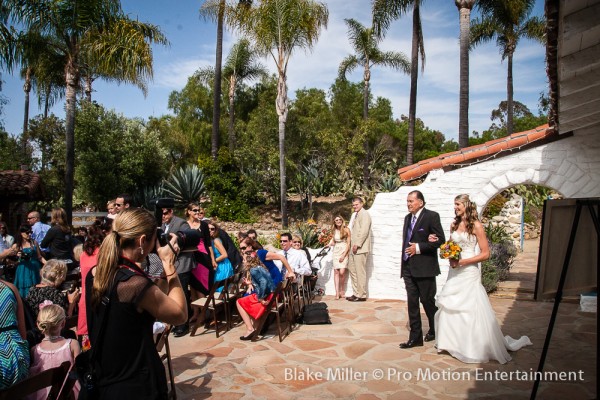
(30, 262)
(14, 363)
(224, 269)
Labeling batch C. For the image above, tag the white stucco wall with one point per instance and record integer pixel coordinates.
(570, 166)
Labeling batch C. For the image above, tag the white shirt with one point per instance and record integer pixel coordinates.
(418, 250)
(297, 260)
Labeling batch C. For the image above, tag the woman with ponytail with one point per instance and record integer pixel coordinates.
(121, 296)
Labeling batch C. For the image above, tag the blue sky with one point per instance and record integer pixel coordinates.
(193, 46)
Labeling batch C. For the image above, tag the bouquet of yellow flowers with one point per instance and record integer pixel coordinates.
(450, 250)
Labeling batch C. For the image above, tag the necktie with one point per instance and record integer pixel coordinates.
(285, 254)
(408, 235)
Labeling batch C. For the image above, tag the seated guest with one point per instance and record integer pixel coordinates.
(267, 258)
(296, 258)
(232, 252)
(252, 234)
(89, 258)
(82, 233)
(53, 275)
(14, 363)
(54, 349)
(224, 269)
(261, 285)
(58, 238)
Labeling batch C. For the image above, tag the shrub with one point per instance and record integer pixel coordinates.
(497, 267)
(308, 234)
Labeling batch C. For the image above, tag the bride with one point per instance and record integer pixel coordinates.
(465, 321)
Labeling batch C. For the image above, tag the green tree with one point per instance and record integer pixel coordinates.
(384, 11)
(241, 65)
(79, 31)
(508, 22)
(277, 28)
(189, 132)
(367, 54)
(116, 154)
(464, 14)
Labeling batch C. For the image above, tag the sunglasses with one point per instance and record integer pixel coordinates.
(284, 241)
(165, 212)
(243, 248)
(195, 210)
(118, 205)
(211, 229)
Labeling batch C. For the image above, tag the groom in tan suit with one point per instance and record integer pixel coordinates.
(361, 247)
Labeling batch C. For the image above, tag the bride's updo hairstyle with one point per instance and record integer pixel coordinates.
(129, 225)
(470, 213)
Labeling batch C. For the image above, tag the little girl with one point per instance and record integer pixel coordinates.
(54, 349)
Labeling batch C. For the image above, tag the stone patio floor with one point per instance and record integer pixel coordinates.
(357, 356)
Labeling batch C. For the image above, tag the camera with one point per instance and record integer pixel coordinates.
(187, 239)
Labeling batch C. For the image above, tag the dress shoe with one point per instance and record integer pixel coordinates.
(411, 343)
(358, 299)
(351, 298)
(181, 330)
(249, 337)
(429, 337)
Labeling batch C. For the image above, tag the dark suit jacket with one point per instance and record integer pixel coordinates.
(185, 261)
(426, 264)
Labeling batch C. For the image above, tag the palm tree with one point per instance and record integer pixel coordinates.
(367, 54)
(277, 28)
(73, 28)
(241, 64)
(508, 22)
(464, 11)
(215, 9)
(384, 11)
(126, 54)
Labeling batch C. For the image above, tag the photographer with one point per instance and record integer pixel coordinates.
(121, 295)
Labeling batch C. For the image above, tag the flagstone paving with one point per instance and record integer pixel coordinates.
(357, 357)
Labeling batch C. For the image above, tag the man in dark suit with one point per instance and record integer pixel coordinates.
(420, 266)
(184, 264)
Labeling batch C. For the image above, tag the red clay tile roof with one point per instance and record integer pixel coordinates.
(478, 153)
(20, 186)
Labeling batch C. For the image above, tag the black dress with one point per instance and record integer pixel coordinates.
(128, 364)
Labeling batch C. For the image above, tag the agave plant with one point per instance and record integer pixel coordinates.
(389, 183)
(185, 185)
(147, 194)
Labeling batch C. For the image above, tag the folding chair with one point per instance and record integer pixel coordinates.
(279, 303)
(216, 302)
(54, 377)
(235, 291)
(162, 342)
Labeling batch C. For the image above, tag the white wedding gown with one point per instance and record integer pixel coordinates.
(465, 322)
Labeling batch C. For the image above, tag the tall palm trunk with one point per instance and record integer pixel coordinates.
(464, 9)
(72, 80)
(217, 83)
(27, 90)
(232, 81)
(509, 95)
(367, 78)
(414, 73)
(281, 104)
(88, 88)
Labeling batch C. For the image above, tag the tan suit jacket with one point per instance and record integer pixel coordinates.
(361, 232)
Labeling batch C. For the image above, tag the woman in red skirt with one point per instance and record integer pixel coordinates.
(261, 286)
